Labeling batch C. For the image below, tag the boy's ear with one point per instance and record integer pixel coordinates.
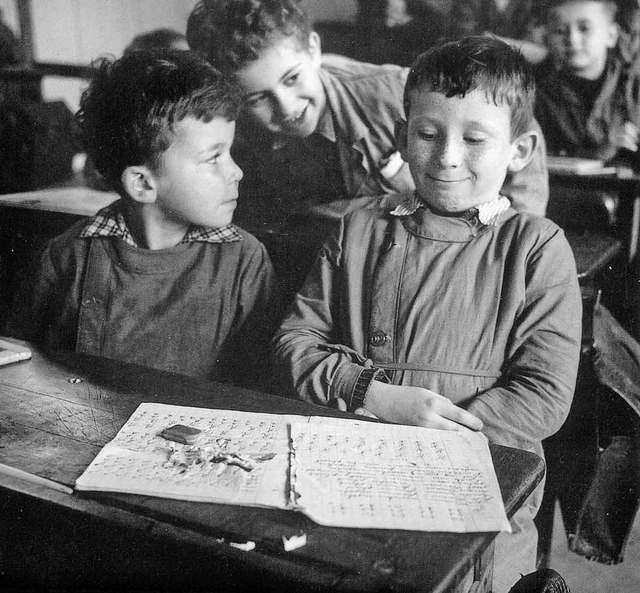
(613, 32)
(401, 137)
(139, 183)
(315, 48)
(523, 148)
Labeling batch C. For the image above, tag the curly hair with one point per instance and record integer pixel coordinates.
(232, 33)
(481, 63)
(128, 113)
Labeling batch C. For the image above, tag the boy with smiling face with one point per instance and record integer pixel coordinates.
(450, 310)
(315, 131)
(161, 277)
(588, 96)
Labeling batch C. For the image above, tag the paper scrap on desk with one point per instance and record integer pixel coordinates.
(361, 474)
(137, 460)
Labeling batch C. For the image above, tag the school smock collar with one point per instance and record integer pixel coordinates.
(419, 219)
(110, 222)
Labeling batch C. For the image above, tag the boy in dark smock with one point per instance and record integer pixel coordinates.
(588, 97)
(161, 277)
(451, 309)
(588, 102)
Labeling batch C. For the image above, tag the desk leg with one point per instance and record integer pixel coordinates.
(480, 578)
(633, 269)
(634, 230)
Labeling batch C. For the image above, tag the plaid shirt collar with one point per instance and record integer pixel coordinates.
(488, 214)
(110, 222)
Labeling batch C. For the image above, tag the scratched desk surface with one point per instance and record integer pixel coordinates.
(55, 415)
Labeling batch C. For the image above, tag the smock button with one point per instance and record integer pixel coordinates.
(378, 338)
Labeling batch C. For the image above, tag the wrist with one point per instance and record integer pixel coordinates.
(378, 398)
(364, 383)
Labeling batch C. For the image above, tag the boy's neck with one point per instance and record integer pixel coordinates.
(150, 228)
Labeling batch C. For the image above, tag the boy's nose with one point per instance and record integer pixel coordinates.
(573, 37)
(235, 173)
(285, 104)
(449, 153)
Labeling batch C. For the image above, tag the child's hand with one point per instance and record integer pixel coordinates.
(417, 406)
(626, 137)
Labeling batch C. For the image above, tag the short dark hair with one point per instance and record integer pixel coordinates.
(232, 33)
(155, 39)
(484, 63)
(611, 5)
(128, 112)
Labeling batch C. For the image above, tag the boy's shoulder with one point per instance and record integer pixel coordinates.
(70, 238)
(355, 73)
(248, 242)
(532, 232)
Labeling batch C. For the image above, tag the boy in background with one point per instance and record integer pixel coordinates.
(314, 131)
(450, 310)
(161, 277)
(588, 100)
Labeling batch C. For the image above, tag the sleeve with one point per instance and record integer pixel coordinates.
(311, 362)
(244, 355)
(534, 397)
(529, 188)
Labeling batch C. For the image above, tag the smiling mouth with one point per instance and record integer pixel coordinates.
(438, 179)
(293, 122)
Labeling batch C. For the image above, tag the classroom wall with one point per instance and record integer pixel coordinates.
(78, 31)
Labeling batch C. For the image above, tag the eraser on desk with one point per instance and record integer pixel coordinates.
(181, 434)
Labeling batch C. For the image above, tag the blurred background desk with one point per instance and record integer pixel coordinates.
(55, 415)
(624, 185)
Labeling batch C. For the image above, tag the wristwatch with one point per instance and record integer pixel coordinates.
(360, 389)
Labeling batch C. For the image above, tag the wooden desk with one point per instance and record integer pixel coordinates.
(55, 415)
(627, 187)
(78, 201)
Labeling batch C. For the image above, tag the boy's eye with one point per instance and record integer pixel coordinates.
(584, 27)
(213, 159)
(292, 79)
(253, 101)
(560, 30)
(427, 135)
(475, 139)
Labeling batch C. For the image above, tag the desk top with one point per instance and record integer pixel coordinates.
(82, 201)
(55, 415)
(609, 179)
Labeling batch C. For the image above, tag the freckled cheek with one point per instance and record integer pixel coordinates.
(260, 114)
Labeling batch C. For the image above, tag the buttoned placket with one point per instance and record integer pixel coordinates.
(385, 293)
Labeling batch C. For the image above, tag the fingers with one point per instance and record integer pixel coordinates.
(440, 412)
(365, 412)
(463, 417)
(442, 424)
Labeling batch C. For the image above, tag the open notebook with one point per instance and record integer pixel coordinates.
(338, 472)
